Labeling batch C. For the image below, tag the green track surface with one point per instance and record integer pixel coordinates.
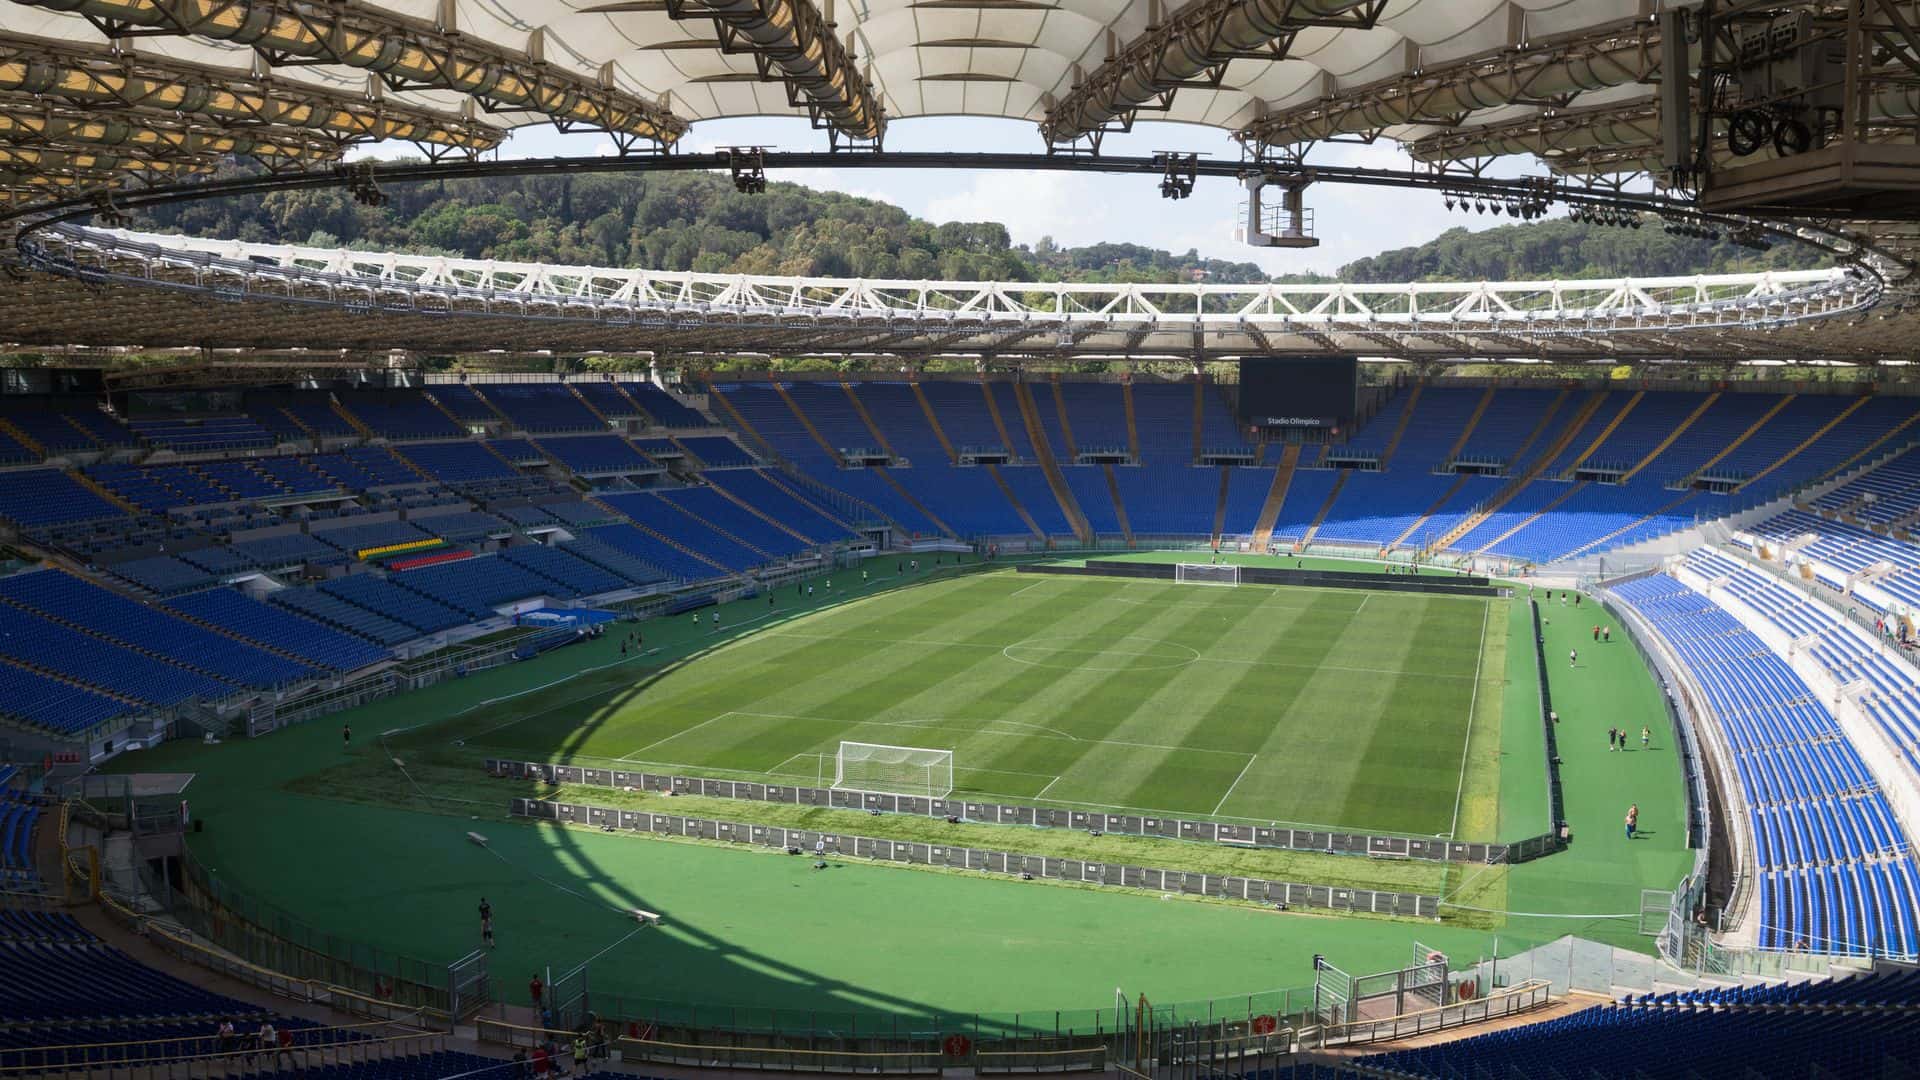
(337, 838)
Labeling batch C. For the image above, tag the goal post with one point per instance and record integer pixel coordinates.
(897, 770)
(1206, 574)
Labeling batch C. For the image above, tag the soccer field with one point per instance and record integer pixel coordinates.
(1275, 704)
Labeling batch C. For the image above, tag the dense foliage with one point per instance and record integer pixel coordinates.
(1559, 248)
(678, 221)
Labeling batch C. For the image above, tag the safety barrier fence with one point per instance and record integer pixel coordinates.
(1015, 864)
(1531, 994)
(163, 1064)
(1169, 828)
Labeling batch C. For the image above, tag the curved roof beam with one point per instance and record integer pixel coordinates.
(27, 123)
(156, 87)
(1192, 47)
(792, 40)
(404, 53)
(1547, 134)
(1541, 71)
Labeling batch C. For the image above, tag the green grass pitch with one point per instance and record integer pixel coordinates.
(1298, 706)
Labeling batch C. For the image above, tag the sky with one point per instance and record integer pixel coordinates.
(1076, 209)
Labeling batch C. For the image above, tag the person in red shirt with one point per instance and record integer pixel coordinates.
(534, 987)
(540, 1062)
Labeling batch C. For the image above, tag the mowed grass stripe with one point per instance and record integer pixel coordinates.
(1335, 708)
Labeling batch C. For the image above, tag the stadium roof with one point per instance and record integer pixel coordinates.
(453, 72)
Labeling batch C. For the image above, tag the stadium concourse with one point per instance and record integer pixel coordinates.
(275, 555)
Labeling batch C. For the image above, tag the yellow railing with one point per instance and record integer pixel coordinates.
(394, 549)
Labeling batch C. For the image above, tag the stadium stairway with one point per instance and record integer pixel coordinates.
(1817, 436)
(1473, 421)
(860, 410)
(99, 489)
(588, 405)
(1393, 444)
(1012, 500)
(1200, 416)
(448, 413)
(1276, 497)
(1539, 465)
(1606, 432)
(359, 426)
(800, 415)
(1459, 481)
(1552, 505)
(933, 422)
(1066, 422)
(1752, 429)
(1133, 429)
(999, 421)
(1042, 449)
(740, 423)
(7, 427)
(764, 516)
(1333, 493)
(820, 506)
(1867, 451)
(1672, 437)
(299, 425)
(663, 538)
(924, 509)
(1220, 506)
(733, 537)
(1119, 507)
(425, 476)
(1627, 528)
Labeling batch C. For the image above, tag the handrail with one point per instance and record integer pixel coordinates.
(245, 1059)
(1531, 994)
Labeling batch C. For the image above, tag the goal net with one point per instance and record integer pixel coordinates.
(1206, 574)
(897, 770)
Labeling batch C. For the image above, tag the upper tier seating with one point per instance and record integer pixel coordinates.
(64, 424)
(542, 407)
(234, 612)
(287, 549)
(458, 463)
(204, 434)
(615, 560)
(666, 410)
(589, 455)
(353, 539)
(1836, 872)
(360, 468)
(898, 416)
(460, 400)
(1163, 418)
(717, 452)
(59, 595)
(475, 587)
(162, 575)
(400, 414)
(606, 398)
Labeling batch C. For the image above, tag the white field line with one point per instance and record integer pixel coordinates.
(1235, 784)
(675, 735)
(1042, 792)
(1363, 603)
(926, 725)
(1018, 591)
(1473, 702)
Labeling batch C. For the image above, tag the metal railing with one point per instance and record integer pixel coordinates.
(1531, 994)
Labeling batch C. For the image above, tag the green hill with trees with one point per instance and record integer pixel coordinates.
(697, 221)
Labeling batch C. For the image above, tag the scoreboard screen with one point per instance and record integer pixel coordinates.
(1319, 392)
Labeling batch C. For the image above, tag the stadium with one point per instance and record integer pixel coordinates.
(477, 613)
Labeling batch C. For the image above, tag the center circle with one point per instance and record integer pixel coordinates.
(1068, 653)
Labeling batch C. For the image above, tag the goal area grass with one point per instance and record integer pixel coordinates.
(1325, 708)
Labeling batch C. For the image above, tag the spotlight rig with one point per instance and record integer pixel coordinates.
(1178, 175)
(748, 164)
(1604, 215)
(361, 185)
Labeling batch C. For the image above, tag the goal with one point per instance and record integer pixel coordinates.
(1206, 574)
(897, 770)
